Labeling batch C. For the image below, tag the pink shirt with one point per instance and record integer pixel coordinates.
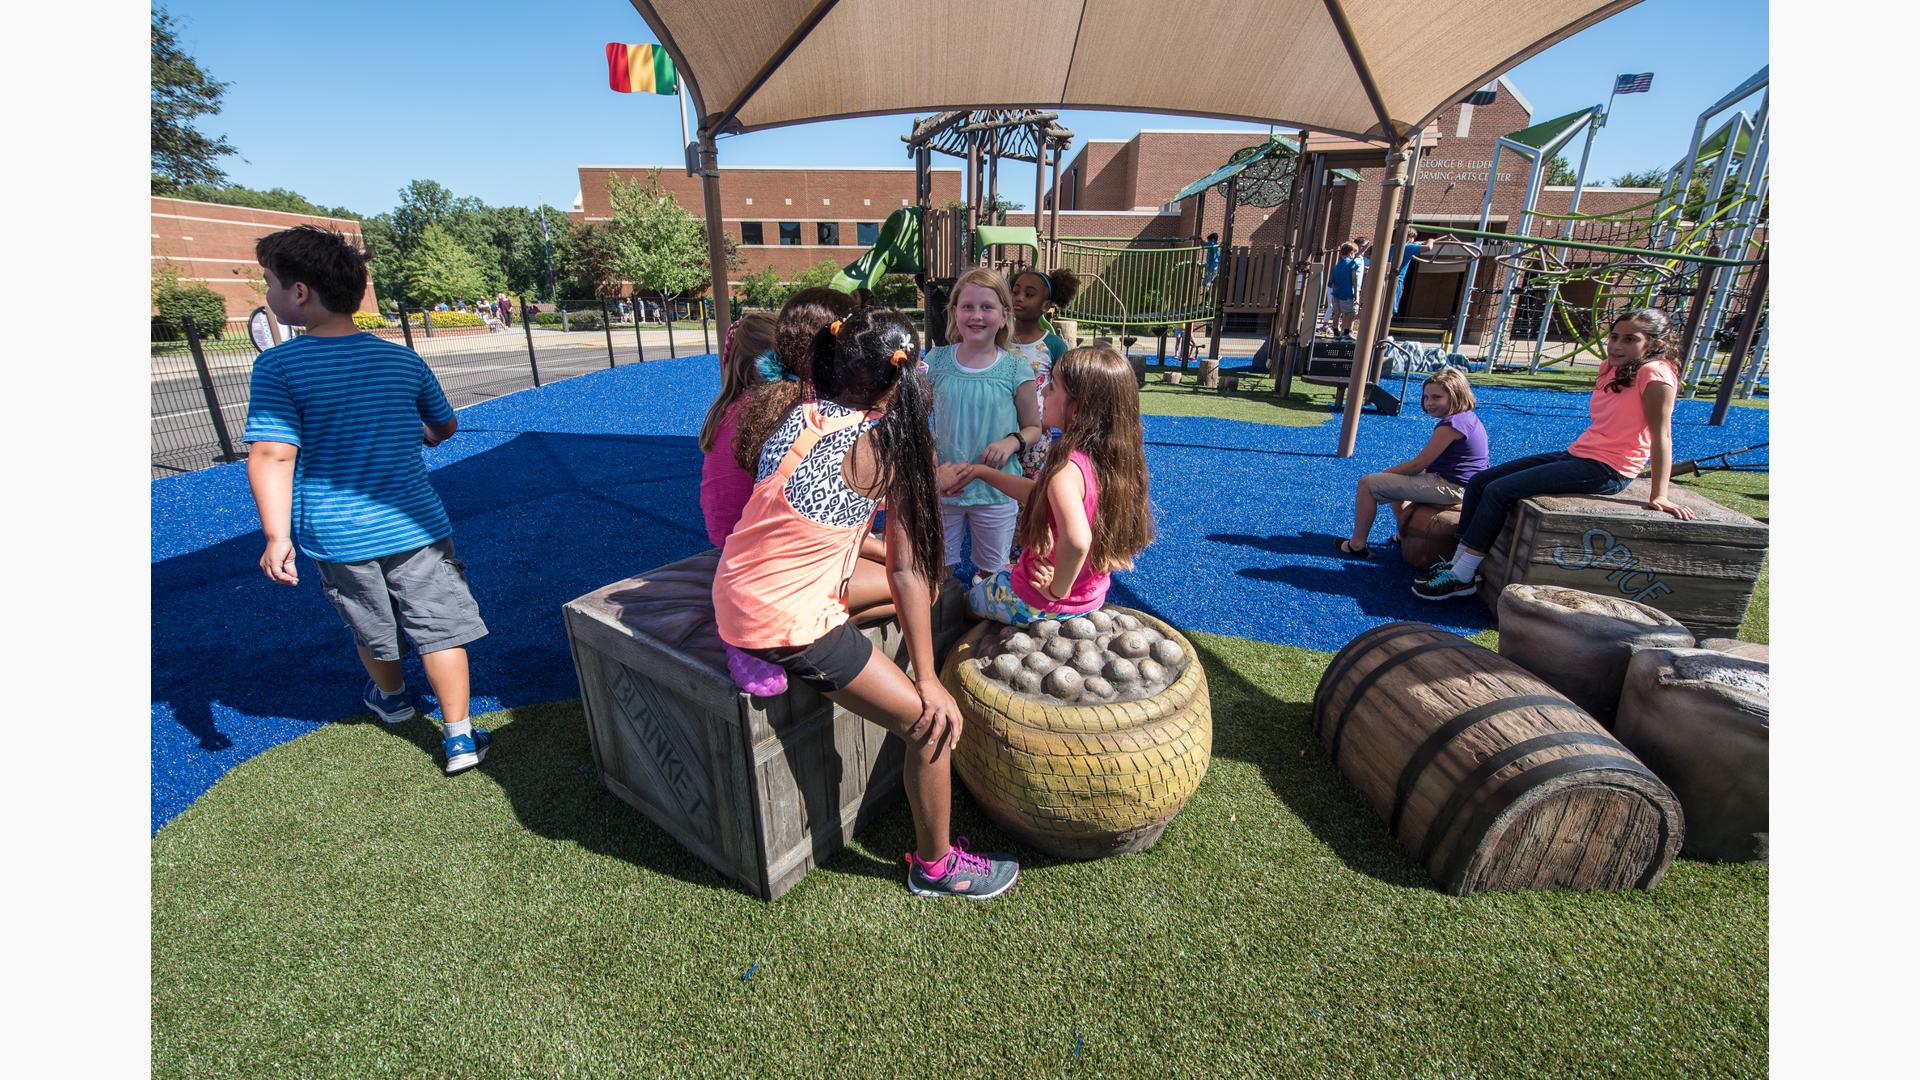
(1090, 588)
(725, 487)
(1619, 437)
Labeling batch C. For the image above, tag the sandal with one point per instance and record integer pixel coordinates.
(1343, 548)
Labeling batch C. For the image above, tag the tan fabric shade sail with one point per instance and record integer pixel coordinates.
(1365, 68)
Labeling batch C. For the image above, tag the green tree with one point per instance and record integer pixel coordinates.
(1559, 173)
(657, 245)
(815, 276)
(897, 290)
(441, 269)
(1652, 178)
(181, 153)
(291, 202)
(763, 289)
(583, 260)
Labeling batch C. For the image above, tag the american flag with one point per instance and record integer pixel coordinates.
(1633, 84)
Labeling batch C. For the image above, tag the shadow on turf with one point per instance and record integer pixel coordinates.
(1276, 736)
(538, 520)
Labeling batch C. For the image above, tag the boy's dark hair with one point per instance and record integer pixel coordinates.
(1212, 236)
(319, 258)
(1347, 250)
(857, 360)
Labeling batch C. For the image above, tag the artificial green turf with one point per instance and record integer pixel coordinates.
(335, 907)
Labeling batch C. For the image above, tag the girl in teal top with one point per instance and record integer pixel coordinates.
(986, 409)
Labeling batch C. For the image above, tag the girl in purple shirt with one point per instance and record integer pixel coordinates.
(1438, 474)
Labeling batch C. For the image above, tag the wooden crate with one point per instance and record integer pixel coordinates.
(761, 789)
(1700, 572)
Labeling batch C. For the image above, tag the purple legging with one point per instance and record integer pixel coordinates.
(1494, 491)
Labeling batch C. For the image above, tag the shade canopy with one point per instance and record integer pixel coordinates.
(1364, 68)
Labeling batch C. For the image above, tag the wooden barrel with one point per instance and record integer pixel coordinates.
(1430, 533)
(1484, 774)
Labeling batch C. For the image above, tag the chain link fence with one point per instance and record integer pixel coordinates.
(200, 385)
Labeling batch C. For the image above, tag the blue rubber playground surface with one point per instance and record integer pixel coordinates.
(556, 491)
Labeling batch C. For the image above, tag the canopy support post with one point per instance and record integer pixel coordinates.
(718, 288)
(1374, 294)
(1221, 279)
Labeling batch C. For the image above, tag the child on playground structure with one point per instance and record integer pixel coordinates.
(1343, 285)
(725, 483)
(1632, 424)
(336, 419)
(1035, 296)
(790, 576)
(1438, 474)
(1086, 512)
(987, 409)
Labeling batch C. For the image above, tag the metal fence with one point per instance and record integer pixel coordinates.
(200, 385)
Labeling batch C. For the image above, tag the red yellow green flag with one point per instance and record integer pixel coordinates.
(641, 69)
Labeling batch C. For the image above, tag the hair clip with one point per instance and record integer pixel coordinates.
(899, 357)
(922, 367)
(835, 328)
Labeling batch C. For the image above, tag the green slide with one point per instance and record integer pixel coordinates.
(897, 251)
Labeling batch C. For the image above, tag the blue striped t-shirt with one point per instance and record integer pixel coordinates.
(354, 406)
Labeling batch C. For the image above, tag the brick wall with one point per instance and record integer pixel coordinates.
(213, 245)
(805, 197)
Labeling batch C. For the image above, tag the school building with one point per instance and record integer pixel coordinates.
(212, 244)
(788, 218)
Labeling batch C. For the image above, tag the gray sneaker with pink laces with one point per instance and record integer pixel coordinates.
(976, 877)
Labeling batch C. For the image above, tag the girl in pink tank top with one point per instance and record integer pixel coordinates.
(790, 578)
(1086, 514)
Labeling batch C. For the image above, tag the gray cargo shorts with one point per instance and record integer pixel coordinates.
(422, 592)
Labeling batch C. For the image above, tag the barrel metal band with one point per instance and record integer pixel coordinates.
(1441, 737)
(1470, 784)
(1513, 790)
(1349, 655)
(1360, 688)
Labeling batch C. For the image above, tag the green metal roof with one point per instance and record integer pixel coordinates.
(1276, 145)
(1549, 135)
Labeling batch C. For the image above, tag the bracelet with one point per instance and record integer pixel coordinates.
(1015, 436)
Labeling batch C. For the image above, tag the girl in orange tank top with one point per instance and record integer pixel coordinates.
(790, 578)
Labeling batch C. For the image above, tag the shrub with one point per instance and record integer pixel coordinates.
(171, 301)
(546, 318)
(448, 319)
(585, 319)
(370, 320)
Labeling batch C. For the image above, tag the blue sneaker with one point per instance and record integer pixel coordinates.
(466, 751)
(976, 877)
(390, 708)
(1441, 583)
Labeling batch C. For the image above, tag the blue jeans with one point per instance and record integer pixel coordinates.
(1493, 492)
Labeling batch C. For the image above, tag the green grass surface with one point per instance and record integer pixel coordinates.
(335, 907)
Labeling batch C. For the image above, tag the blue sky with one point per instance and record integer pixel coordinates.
(504, 101)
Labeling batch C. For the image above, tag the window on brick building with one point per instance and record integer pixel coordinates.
(867, 233)
(829, 233)
(751, 233)
(789, 232)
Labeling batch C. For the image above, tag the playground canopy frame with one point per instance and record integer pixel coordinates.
(1335, 66)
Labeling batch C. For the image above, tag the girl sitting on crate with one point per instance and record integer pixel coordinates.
(1438, 475)
(1632, 412)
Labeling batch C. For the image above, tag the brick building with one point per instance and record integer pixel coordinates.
(1124, 189)
(212, 244)
(784, 217)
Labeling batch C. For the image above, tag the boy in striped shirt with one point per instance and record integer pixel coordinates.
(336, 419)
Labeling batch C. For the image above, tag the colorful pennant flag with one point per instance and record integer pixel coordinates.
(1633, 84)
(641, 69)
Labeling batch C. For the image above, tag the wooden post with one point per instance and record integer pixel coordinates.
(1221, 281)
(1742, 344)
(1053, 212)
(720, 289)
(1397, 247)
(973, 199)
(1042, 260)
(1374, 294)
